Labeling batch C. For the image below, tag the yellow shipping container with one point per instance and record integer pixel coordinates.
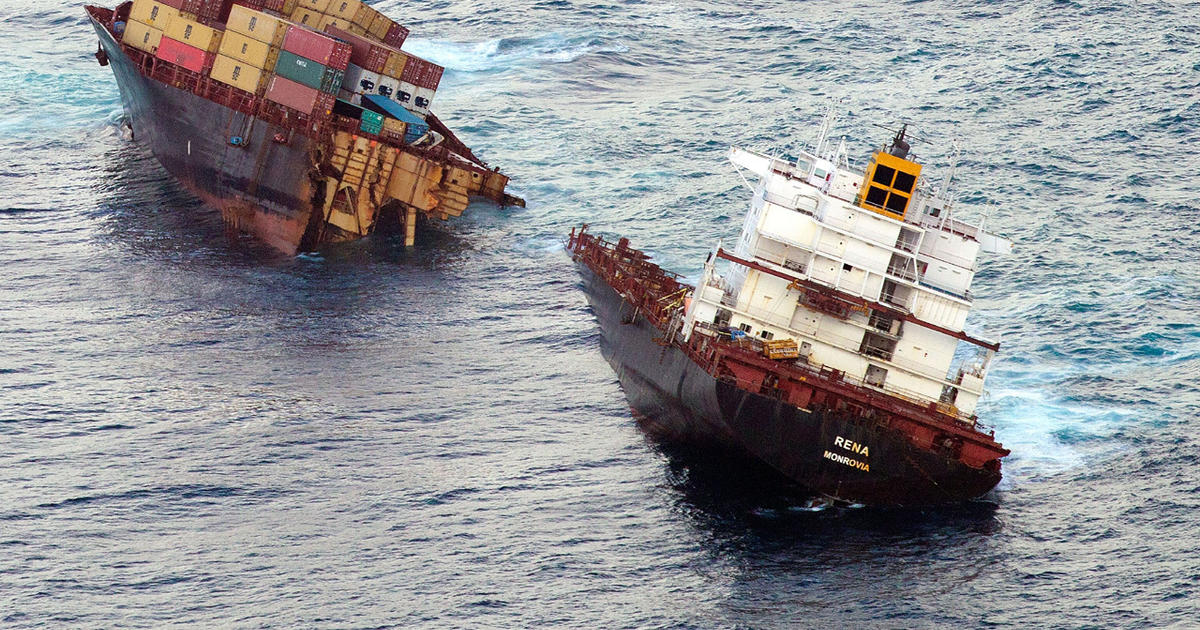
(395, 126)
(318, 6)
(152, 13)
(142, 36)
(334, 20)
(307, 17)
(394, 66)
(344, 9)
(245, 49)
(357, 30)
(380, 26)
(242, 76)
(256, 25)
(194, 34)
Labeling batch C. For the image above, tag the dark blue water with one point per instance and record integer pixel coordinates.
(194, 431)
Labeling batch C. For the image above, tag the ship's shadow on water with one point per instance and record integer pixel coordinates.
(731, 496)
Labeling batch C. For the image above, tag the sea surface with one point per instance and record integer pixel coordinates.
(197, 432)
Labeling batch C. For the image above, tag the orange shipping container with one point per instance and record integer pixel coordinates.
(344, 9)
(395, 64)
(316, 6)
(142, 36)
(307, 17)
(240, 75)
(193, 34)
(152, 13)
(245, 49)
(256, 25)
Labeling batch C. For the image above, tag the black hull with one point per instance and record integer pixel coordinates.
(262, 187)
(680, 402)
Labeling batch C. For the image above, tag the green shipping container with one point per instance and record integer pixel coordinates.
(296, 68)
(371, 122)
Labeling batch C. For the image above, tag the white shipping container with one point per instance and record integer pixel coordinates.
(360, 81)
(423, 99)
(388, 87)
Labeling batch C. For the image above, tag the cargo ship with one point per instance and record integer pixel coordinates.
(828, 345)
(302, 121)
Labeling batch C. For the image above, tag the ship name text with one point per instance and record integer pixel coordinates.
(848, 461)
(854, 447)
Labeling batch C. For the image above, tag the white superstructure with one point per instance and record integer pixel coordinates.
(872, 280)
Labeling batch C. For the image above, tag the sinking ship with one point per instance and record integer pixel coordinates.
(302, 121)
(829, 344)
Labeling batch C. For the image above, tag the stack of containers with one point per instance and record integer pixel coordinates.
(249, 49)
(309, 71)
(147, 20)
(354, 16)
(188, 43)
(380, 69)
(207, 12)
(399, 122)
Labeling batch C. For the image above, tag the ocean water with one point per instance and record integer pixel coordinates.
(197, 432)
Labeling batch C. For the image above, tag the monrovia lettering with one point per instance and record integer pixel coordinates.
(848, 461)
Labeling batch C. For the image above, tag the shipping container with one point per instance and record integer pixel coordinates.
(422, 73)
(174, 4)
(396, 62)
(245, 49)
(351, 97)
(327, 21)
(142, 36)
(240, 75)
(317, 46)
(316, 6)
(299, 69)
(416, 126)
(394, 36)
(291, 94)
(193, 34)
(308, 72)
(189, 57)
(257, 25)
(422, 99)
(380, 27)
(372, 122)
(395, 126)
(364, 16)
(357, 30)
(360, 80)
(257, 5)
(344, 9)
(153, 14)
(307, 17)
(389, 87)
(365, 53)
(209, 12)
(282, 7)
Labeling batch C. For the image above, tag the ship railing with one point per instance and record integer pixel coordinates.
(721, 338)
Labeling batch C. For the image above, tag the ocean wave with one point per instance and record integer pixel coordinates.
(508, 52)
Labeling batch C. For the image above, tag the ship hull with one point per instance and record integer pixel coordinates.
(261, 186)
(846, 458)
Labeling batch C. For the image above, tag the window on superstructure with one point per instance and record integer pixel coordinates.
(766, 335)
(904, 182)
(884, 175)
(744, 327)
(847, 267)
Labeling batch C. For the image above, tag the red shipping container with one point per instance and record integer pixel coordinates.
(422, 73)
(324, 104)
(257, 5)
(291, 94)
(174, 4)
(208, 12)
(182, 55)
(395, 36)
(318, 47)
(364, 52)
